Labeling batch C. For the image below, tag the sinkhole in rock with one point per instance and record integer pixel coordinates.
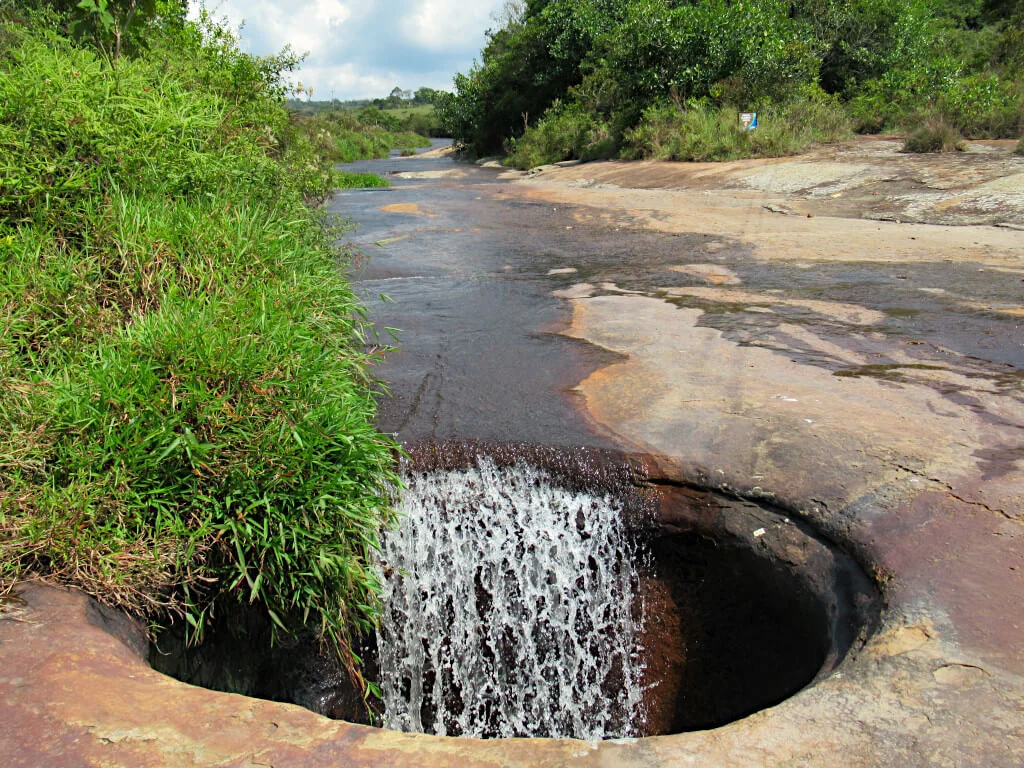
(536, 592)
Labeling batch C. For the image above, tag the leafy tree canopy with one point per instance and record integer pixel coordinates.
(617, 58)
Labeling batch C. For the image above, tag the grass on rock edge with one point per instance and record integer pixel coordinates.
(185, 385)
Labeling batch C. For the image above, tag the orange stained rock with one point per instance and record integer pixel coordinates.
(411, 209)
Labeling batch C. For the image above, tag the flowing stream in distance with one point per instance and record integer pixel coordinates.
(510, 609)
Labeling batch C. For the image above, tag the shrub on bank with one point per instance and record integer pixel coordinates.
(347, 180)
(983, 106)
(934, 134)
(186, 408)
(345, 136)
(699, 133)
(704, 132)
(373, 144)
(567, 132)
(621, 59)
(980, 105)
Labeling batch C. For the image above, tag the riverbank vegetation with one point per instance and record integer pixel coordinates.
(343, 136)
(935, 134)
(186, 402)
(395, 115)
(572, 79)
(349, 180)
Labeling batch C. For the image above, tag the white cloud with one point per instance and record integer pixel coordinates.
(347, 79)
(435, 23)
(363, 49)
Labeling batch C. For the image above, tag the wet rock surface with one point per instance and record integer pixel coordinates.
(730, 606)
(862, 375)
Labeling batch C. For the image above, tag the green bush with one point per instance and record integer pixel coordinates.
(812, 116)
(699, 133)
(704, 132)
(979, 105)
(185, 399)
(935, 134)
(346, 180)
(567, 132)
(421, 123)
(983, 105)
(340, 137)
(882, 60)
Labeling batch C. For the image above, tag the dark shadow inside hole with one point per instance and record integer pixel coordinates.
(728, 633)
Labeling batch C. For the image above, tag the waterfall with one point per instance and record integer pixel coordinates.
(510, 609)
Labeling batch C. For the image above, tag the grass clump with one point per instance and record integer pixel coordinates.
(700, 133)
(567, 132)
(347, 180)
(353, 145)
(935, 134)
(345, 136)
(186, 407)
(1020, 147)
(342, 137)
(703, 132)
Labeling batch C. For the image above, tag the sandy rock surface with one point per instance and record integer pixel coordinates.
(838, 333)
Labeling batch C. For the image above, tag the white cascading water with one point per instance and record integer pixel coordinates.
(509, 610)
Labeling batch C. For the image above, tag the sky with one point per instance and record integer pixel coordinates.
(363, 49)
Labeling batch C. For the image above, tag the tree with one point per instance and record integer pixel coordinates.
(427, 96)
(618, 58)
(115, 26)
